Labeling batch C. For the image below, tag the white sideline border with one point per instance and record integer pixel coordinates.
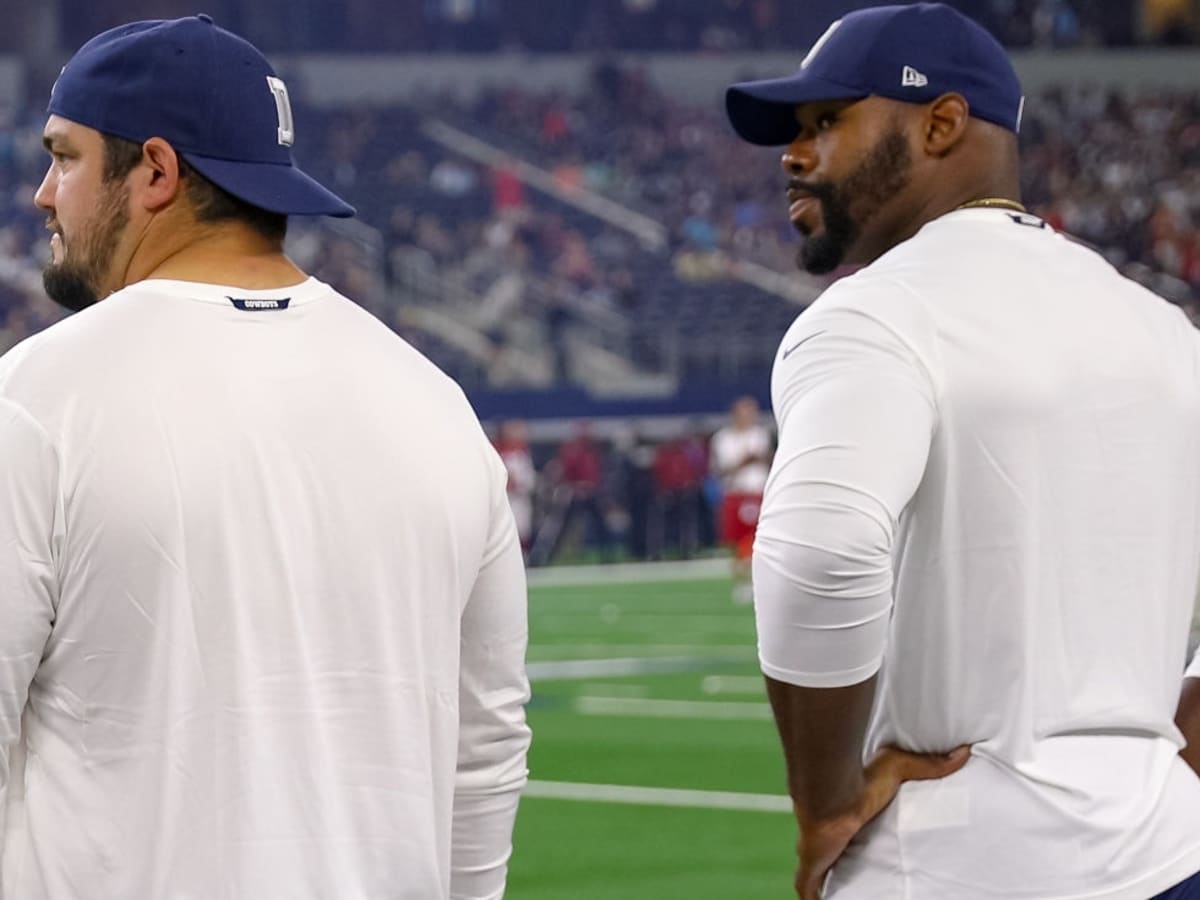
(572, 669)
(646, 796)
(617, 667)
(549, 652)
(625, 573)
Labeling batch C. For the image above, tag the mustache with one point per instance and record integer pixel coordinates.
(818, 190)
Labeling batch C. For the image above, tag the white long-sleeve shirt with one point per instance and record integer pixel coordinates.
(262, 609)
(986, 489)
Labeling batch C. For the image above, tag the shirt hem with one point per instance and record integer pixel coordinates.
(842, 678)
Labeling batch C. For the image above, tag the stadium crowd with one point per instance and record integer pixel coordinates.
(479, 26)
(1117, 171)
(627, 497)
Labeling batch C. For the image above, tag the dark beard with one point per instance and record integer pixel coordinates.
(75, 283)
(846, 206)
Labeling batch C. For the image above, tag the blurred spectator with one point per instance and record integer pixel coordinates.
(513, 446)
(1169, 21)
(453, 178)
(578, 501)
(508, 191)
(678, 485)
(695, 448)
(741, 457)
(640, 495)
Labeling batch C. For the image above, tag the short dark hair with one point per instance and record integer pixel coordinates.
(210, 202)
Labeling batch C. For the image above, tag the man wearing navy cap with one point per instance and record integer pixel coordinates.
(982, 525)
(239, 657)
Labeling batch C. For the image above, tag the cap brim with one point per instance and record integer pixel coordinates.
(763, 112)
(273, 187)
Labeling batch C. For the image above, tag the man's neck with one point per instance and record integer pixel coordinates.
(226, 253)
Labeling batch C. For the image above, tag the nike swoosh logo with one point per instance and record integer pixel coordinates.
(796, 346)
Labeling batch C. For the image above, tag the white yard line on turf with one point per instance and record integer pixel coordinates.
(613, 689)
(744, 652)
(733, 684)
(644, 796)
(670, 709)
(623, 573)
(687, 623)
(565, 669)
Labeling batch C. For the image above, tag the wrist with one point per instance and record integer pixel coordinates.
(831, 810)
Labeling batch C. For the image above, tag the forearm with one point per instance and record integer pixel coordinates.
(1187, 717)
(823, 731)
(856, 412)
(823, 565)
(30, 529)
(493, 734)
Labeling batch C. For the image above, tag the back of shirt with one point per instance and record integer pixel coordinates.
(272, 607)
(1044, 568)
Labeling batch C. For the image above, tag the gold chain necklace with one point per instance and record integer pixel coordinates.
(994, 203)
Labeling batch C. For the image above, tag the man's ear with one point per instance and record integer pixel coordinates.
(945, 124)
(159, 176)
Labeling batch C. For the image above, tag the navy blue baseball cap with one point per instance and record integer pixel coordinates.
(210, 94)
(915, 52)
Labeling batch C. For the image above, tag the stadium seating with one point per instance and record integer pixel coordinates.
(612, 253)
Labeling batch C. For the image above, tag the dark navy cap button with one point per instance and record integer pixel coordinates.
(205, 18)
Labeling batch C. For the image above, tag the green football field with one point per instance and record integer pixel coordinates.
(655, 771)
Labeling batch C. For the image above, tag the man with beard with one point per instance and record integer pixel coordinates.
(239, 656)
(982, 525)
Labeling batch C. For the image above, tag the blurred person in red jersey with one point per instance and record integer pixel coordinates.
(741, 458)
(579, 498)
(677, 489)
(513, 446)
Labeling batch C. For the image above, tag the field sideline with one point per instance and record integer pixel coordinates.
(655, 768)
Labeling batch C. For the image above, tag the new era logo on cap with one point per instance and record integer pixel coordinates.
(913, 78)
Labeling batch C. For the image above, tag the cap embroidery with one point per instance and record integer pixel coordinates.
(816, 48)
(283, 108)
(913, 78)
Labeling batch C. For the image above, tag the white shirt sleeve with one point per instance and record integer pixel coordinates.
(856, 410)
(493, 690)
(30, 533)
